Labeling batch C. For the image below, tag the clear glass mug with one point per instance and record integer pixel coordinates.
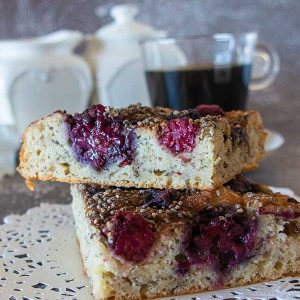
(184, 72)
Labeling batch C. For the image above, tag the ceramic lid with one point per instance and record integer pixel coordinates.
(125, 27)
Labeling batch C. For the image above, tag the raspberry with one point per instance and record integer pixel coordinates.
(158, 198)
(99, 139)
(240, 184)
(210, 109)
(221, 238)
(130, 236)
(179, 135)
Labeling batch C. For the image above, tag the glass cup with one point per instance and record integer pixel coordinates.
(218, 69)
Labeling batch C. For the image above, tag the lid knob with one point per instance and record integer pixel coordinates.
(124, 12)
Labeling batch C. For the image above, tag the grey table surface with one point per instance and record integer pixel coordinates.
(277, 21)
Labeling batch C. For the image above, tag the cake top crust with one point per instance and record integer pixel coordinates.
(136, 112)
(173, 206)
(136, 115)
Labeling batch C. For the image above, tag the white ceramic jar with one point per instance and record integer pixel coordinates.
(41, 75)
(115, 56)
(38, 76)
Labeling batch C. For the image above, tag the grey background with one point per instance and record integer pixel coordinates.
(278, 22)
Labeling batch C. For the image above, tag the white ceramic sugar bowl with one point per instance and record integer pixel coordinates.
(41, 75)
(115, 56)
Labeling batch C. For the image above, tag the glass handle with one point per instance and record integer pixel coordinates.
(265, 66)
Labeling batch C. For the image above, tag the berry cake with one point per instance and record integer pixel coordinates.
(146, 243)
(143, 147)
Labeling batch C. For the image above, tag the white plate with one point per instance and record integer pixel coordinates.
(39, 259)
(274, 140)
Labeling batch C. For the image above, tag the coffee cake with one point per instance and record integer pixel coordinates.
(143, 147)
(146, 243)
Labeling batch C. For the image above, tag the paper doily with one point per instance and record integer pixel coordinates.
(39, 256)
(39, 259)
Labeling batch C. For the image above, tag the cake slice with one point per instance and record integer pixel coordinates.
(146, 243)
(143, 147)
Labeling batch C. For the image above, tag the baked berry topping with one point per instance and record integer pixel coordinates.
(182, 264)
(239, 134)
(221, 238)
(158, 198)
(189, 113)
(179, 135)
(201, 110)
(240, 184)
(292, 200)
(99, 139)
(209, 109)
(129, 236)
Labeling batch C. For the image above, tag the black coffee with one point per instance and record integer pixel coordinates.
(188, 87)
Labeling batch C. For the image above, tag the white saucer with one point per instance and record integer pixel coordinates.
(274, 140)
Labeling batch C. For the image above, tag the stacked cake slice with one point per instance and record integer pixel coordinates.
(143, 147)
(159, 207)
(149, 243)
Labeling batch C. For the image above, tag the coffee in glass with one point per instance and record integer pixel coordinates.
(182, 73)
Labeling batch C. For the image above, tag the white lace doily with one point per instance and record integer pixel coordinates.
(39, 259)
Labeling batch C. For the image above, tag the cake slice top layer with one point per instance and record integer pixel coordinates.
(171, 206)
(103, 135)
(143, 147)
